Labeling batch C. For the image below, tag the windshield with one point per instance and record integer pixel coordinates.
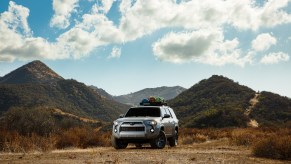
(143, 112)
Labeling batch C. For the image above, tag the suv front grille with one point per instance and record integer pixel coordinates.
(131, 129)
(131, 123)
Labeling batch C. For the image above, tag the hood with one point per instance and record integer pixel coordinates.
(137, 119)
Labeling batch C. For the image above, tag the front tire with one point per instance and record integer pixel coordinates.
(173, 141)
(160, 141)
(118, 144)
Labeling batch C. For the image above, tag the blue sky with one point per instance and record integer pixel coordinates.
(123, 46)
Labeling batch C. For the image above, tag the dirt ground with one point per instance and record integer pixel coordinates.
(209, 152)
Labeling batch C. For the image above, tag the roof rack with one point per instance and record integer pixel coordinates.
(153, 101)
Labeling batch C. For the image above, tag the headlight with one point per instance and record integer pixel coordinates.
(151, 122)
(115, 123)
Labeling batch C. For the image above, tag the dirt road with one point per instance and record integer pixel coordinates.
(209, 152)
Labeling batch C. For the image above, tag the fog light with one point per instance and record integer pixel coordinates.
(115, 130)
(152, 130)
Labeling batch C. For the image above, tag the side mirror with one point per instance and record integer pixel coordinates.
(166, 116)
(121, 116)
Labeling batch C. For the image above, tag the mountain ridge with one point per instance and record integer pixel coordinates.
(214, 102)
(135, 97)
(34, 72)
(220, 102)
(40, 87)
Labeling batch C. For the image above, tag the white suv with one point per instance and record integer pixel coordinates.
(146, 124)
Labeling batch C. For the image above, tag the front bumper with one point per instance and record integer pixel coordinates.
(136, 130)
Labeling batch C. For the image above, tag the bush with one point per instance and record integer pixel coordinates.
(82, 138)
(243, 137)
(193, 135)
(25, 122)
(14, 142)
(197, 138)
(275, 147)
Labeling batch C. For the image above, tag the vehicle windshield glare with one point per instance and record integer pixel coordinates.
(143, 112)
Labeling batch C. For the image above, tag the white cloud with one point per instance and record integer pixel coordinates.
(63, 10)
(144, 17)
(102, 7)
(93, 31)
(17, 42)
(101, 27)
(273, 14)
(204, 46)
(16, 18)
(263, 42)
(274, 58)
(33, 48)
(125, 5)
(106, 5)
(140, 18)
(77, 42)
(115, 53)
(182, 47)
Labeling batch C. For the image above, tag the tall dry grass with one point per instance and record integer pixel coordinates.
(12, 141)
(82, 138)
(193, 135)
(265, 142)
(275, 147)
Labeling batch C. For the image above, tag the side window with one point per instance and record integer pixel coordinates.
(163, 112)
(172, 113)
(168, 112)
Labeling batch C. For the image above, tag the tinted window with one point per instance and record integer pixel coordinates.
(143, 112)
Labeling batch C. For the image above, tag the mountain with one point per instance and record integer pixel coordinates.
(135, 98)
(102, 92)
(34, 72)
(221, 102)
(215, 102)
(34, 85)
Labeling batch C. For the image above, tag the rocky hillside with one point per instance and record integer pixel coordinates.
(102, 92)
(35, 72)
(135, 98)
(221, 102)
(36, 86)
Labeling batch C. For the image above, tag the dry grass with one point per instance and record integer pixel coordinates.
(264, 142)
(275, 147)
(190, 136)
(198, 138)
(14, 142)
(82, 138)
(244, 137)
(75, 137)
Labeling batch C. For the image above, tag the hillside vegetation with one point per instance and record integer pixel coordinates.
(67, 95)
(215, 102)
(36, 100)
(272, 110)
(164, 92)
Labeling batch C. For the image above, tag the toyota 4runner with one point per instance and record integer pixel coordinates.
(156, 125)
